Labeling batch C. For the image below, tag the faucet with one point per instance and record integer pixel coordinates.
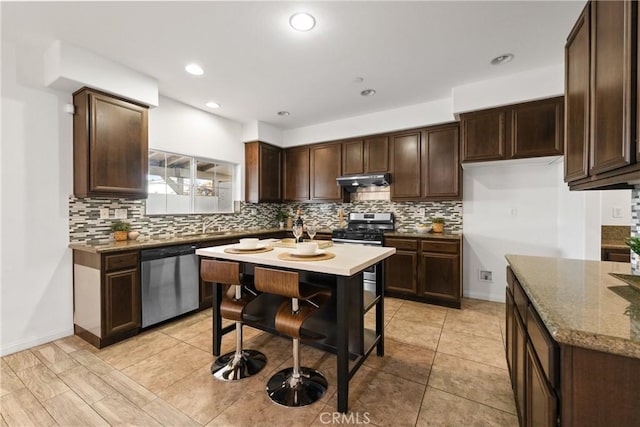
(206, 223)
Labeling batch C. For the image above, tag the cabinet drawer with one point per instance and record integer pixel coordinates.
(121, 260)
(438, 246)
(522, 302)
(545, 347)
(407, 244)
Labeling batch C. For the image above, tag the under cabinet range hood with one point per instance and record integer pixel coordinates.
(352, 183)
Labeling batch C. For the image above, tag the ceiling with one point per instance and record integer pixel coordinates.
(256, 65)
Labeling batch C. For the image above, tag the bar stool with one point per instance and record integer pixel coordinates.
(295, 386)
(241, 363)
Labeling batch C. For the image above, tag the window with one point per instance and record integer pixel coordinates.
(179, 184)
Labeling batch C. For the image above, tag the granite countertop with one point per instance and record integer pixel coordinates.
(581, 304)
(145, 243)
(446, 236)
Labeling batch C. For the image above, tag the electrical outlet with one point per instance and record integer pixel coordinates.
(486, 276)
(121, 213)
(104, 213)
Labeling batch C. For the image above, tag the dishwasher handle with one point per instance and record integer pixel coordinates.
(167, 252)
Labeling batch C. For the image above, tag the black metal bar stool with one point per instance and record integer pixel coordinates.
(241, 363)
(295, 386)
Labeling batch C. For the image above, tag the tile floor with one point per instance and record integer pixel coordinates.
(442, 367)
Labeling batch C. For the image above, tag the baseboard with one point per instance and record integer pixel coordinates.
(486, 296)
(34, 341)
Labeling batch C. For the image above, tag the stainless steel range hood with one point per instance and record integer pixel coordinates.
(352, 183)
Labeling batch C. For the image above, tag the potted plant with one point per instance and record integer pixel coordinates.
(120, 230)
(437, 225)
(281, 216)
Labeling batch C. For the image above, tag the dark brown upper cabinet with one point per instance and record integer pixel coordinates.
(326, 166)
(576, 102)
(425, 164)
(605, 80)
(295, 173)
(263, 166)
(369, 155)
(530, 129)
(110, 147)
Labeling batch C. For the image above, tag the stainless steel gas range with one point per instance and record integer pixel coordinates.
(365, 229)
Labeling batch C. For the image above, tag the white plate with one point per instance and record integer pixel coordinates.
(257, 248)
(316, 253)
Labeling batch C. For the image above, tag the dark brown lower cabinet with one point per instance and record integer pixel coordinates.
(426, 270)
(106, 296)
(564, 385)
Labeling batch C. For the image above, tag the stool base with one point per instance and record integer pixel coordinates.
(284, 390)
(228, 367)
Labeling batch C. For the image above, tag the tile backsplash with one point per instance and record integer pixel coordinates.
(635, 226)
(85, 224)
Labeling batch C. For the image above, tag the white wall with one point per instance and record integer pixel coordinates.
(509, 209)
(618, 201)
(37, 169)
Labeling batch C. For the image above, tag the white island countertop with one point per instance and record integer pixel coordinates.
(348, 260)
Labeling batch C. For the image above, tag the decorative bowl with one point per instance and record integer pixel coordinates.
(423, 228)
(307, 248)
(248, 243)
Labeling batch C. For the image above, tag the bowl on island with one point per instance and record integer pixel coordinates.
(306, 248)
(248, 243)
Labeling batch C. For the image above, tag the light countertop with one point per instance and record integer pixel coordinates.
(581, 304)
(348, 260)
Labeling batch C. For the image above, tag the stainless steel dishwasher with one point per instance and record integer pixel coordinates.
(170, 282)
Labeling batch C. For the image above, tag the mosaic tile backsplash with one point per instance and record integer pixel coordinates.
(85, 224)
(635, 226)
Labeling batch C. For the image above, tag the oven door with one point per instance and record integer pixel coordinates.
(369, 274)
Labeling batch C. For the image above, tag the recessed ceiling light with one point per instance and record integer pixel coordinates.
(212, 104)
(502, 59)
(283, 113)
(302, 21)
(194, 69)
(368, 92)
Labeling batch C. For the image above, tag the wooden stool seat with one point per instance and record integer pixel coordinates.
(241, 363)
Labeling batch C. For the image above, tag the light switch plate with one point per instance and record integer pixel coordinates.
(121, 213)
(617, 212)
(104, 213)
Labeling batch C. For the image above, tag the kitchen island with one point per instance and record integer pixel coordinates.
(573, 342)
(341, 320)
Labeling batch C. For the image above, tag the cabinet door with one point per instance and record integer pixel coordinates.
(326, 161)
(509, 338)
(542, 407)
(537, 128)
(611, 88)
(118, 147)
(376, 154)
(519, 364)
(400, 272)
(483, 135)
(441, 164)
(353, 157)
(120, 302)
(440, 276)
(576, 100)
(405, 165)
(296, 174)
(270, 167)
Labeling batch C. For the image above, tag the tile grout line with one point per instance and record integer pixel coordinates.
(474, 401)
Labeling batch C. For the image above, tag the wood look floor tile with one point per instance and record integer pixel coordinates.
(21, 408)
(444, 409)
(21, 360)
(167, 415)
(117, 410)
(136, 349)
(412, 332)
(54, 358)
(2, 422)
(474, 381)
(128, 388)
(89, 386)
(70, 410)
(42, 382)
(472, 347)
(73, 343)
(403, 360)
(186, 331)
(486, 307)
(164, 369)
(9, 381)
(421, 313)
(91, 362)
(474, 323)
